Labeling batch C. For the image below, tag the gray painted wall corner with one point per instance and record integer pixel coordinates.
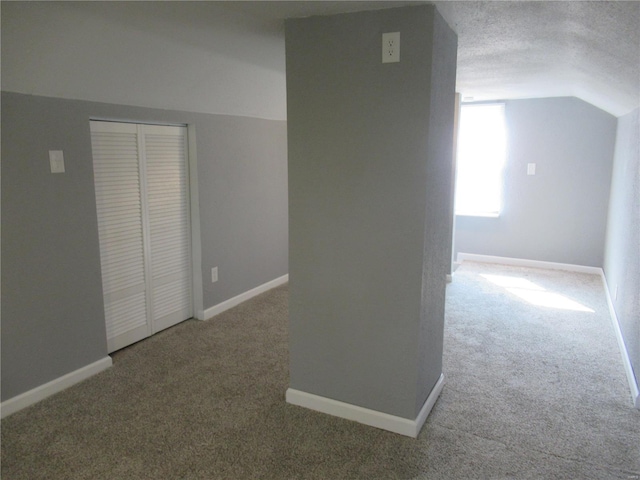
(560, 213)
(436, 260)
(622, 253)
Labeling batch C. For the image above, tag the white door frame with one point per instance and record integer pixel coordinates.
(196, 244)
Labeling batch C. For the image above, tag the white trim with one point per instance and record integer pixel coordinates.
(523, 262)
(54, 386)
(373, 418)
(160, 123)
(626, 361)
(196, 245)
(243, 297)
(146, 232)
(428, 404)
(479, 214)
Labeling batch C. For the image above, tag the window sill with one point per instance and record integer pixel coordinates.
(477, 214)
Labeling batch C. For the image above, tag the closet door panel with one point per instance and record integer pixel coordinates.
(169, 229)
(119, 208)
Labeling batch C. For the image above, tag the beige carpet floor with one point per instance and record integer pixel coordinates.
(532, 392)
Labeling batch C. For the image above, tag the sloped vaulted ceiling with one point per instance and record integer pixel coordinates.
(523, 49)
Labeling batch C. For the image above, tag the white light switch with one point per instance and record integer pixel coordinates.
(531, 168)
(214, 274)
(56, 160)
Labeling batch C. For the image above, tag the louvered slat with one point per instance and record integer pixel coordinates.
(126, 314)
(172, 297)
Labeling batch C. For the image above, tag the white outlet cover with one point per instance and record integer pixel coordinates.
(56, 161)
(391, 47)
(531, 168)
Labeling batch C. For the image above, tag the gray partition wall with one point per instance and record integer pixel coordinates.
(370, 147)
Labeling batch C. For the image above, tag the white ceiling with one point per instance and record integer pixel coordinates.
(522, 49)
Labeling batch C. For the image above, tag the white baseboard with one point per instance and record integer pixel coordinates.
(54, 386)
(428, 404)
(522, 262)
(243, 297)
(633, 384)
(373, 418)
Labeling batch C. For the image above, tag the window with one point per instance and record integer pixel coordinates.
(481, 157)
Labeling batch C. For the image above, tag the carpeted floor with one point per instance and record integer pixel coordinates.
(531, 393)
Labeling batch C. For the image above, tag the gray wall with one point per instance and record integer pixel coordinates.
(622, 254)
(191, 56)
(438, 222)
(52, 308)
(52, 311)
(360, 202)
(560, 213)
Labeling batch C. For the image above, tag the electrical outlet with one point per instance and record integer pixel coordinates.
(214, 274)
(391, 47)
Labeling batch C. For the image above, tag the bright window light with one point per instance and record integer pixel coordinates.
(535, 294)
(512, 282)
(482, 151)
(549, 300)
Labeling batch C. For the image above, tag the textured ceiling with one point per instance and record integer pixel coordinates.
(589, 50)
(524, 49)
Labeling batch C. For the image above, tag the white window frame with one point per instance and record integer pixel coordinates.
(497, 167)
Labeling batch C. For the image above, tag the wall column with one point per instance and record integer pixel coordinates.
(370, 149)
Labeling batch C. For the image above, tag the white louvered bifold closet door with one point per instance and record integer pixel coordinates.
(141, 180)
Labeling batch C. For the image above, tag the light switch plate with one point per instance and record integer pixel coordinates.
(531, 168)
(56, 161)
